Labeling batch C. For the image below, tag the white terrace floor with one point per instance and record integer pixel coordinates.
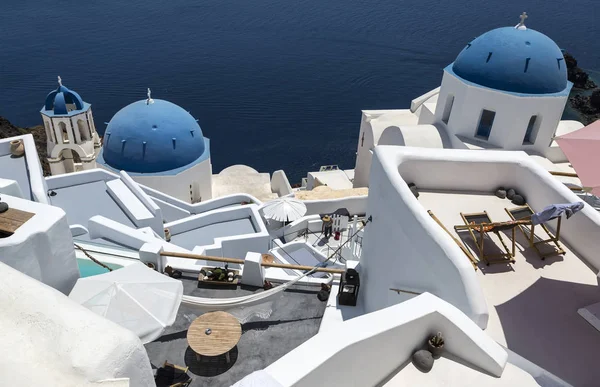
(532, 303)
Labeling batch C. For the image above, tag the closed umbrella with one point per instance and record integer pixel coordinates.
(286, 209)
(135, 297)
(582, 148)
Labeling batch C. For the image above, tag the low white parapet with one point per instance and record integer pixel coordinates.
(129, 202)
(10, 187)
(77, 230)
(254, 273)
(366, 350)
(42, 247)
(150, 253)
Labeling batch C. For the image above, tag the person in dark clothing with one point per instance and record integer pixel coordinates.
(327, 226)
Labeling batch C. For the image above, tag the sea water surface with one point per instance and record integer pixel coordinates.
(274, 84)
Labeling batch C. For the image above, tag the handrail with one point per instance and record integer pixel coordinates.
(404, 291)
(241, 262)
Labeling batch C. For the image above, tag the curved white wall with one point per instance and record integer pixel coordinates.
(365, 350)
(403, 248)
(425, 136)
(52, 341)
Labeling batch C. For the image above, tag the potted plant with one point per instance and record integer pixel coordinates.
(435, 345)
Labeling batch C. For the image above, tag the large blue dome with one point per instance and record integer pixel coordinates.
(151, 137)
(515, 60)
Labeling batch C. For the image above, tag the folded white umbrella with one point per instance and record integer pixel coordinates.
(286, 209)
(135, 297)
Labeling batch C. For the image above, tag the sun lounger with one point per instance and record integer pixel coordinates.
(459, 243)
(524, 213)
(481, 223)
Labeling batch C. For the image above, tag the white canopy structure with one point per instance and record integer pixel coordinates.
(135, 297)
(286, 209)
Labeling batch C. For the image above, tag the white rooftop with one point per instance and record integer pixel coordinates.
(532, 303)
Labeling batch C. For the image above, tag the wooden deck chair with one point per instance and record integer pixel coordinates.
(476, 223)
(172, 375)
(524, 213)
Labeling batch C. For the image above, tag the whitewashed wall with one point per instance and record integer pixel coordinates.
(208, 205)
(235, 246)
(403, 248)
(178, 185)
(280, 183)
(42, 247)
(34, 168)
(52, 341)
(356, 205)
(365, 350)
(513, 113)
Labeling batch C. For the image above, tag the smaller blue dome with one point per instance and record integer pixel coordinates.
(58, 100)
(515, 60)
(152, 137)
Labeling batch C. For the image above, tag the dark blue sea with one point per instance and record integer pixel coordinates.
(274, 84)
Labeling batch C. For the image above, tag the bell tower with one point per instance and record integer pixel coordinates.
(72, 140)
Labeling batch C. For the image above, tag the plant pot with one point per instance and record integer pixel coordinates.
(435, 351)
(17, 148)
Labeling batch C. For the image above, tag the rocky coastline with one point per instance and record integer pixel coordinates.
(585, 95)
(39, 136)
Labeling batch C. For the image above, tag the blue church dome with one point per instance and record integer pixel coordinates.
(151, 136)
(519, 60)
(57, 100)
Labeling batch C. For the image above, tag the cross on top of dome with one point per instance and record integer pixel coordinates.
(521, 25)
(149, 100)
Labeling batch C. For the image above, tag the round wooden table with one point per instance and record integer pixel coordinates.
(214, 334)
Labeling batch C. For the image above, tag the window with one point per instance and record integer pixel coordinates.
(531, 132)
(448, 109)
(485, 124)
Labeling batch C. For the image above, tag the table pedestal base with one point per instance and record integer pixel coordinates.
(227, 358)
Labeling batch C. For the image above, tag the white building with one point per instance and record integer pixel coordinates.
(160, 145)
(507, 90)
(72, 141)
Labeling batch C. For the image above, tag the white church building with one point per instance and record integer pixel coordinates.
(72, 141)
(160, 145)
(506, 90)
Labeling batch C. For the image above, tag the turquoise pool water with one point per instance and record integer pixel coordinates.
(88, 268)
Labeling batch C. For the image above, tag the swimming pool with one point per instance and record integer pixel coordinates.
(88, 268)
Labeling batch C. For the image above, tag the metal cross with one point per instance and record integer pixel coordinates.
(149, 100)
(523, 17)
(59, 81)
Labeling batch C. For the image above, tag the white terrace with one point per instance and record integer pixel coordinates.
(529, 306)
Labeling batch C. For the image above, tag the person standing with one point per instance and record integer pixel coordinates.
(327, 226)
